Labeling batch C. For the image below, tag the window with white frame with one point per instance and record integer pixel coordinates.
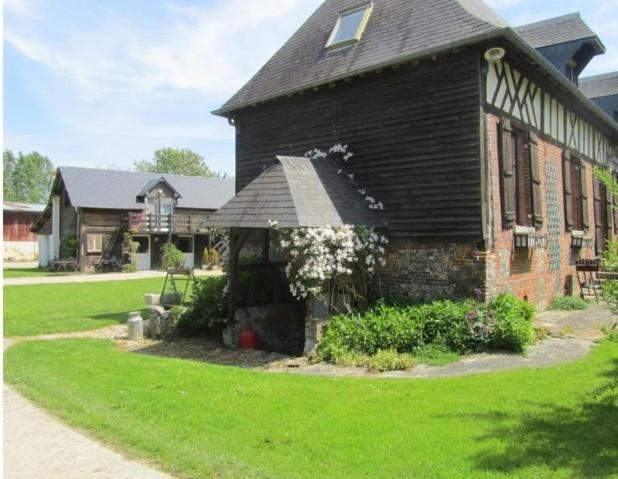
(350, 26)
(95, 243)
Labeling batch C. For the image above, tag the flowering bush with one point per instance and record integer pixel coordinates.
(330, 261)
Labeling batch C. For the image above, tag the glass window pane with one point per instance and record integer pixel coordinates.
(143, 244)
(348, 26)
(185, 244)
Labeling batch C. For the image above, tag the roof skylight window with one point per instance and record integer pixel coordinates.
(350, 27)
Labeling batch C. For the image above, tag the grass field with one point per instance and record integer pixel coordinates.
(198, 420)
(30, 273)
(55, 308)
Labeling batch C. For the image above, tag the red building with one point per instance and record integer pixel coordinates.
(20, 243)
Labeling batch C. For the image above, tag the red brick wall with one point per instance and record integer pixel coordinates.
(527, 273)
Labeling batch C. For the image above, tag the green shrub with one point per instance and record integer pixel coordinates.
(610, 257)
(610, 295)
(172, 257)
(380, 328)
(390, 360)
(568, 303)
(448, 323)
(454, 327)
(513, 327)
(208, 308)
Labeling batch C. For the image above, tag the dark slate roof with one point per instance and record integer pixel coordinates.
(600, 85)
(553, 31)
(397, 29)
(297, 192)
(109, 189)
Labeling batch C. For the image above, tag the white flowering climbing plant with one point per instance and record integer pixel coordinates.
(332, 262)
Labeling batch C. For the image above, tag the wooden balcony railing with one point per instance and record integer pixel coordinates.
(176, 223)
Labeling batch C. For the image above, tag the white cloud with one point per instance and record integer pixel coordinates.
(210, 50)
(19, 7)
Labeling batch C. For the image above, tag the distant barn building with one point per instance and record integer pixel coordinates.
(89, 211)
(20, 243)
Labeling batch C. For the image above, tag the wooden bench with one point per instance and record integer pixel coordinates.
(65, 265)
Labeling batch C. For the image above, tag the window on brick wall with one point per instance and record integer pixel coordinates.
(521, 177)
(575, 176)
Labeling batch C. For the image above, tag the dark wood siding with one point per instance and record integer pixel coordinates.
(415, 133)
(104, 222)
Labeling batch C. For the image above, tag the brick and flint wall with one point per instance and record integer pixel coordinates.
(537, 274)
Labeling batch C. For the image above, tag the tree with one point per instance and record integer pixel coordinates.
(27, 178)
(178, 162)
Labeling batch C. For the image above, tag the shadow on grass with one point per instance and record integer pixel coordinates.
(119, 318)
(581, 439)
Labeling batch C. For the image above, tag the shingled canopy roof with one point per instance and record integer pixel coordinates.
(600, 85)
(554, 31)
(397, 29)
(297, 192)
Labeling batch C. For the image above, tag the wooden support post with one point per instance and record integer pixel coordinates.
(237, 240)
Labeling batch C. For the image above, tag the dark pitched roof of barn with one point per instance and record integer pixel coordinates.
(297, 192)
(600, 85)
(397, 29)
(553, 31)
(110, 189)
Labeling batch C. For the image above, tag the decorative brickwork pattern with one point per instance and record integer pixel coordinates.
(554, 220)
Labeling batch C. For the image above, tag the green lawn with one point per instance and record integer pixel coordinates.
(29, 273)
(54, 308)
(199, 420)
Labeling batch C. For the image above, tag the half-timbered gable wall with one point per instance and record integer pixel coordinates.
(512, 93)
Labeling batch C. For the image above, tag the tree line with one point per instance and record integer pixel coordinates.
(28, 178)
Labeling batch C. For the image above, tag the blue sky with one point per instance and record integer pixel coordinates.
(105, 83)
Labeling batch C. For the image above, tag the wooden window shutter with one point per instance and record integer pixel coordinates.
(568, 190)
(507, 164)
(598, 221)
(584, 192)
(535, 168)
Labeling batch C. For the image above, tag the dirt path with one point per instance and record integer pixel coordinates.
(37, 446)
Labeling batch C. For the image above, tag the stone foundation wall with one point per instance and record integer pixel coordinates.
(422, 271)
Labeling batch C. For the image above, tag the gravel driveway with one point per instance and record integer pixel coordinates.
(37, 446)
